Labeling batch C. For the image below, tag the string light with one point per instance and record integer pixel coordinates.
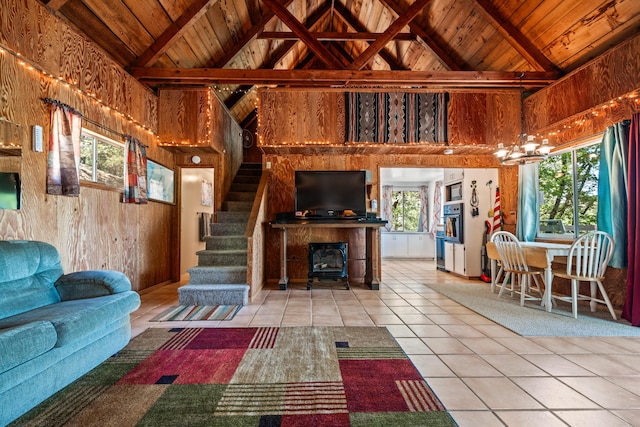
(72, 84)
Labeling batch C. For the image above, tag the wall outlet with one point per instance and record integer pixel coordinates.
(268, 165)
(37, 139)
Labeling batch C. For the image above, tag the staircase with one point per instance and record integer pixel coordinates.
(220, 278)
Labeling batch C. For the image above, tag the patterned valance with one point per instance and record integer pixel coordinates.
(396, 117)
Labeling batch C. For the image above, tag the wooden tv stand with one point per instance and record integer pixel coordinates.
(371, 226)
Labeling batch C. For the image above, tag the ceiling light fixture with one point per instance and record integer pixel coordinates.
(525, 149)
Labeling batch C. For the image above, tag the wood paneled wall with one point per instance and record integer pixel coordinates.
(94, 230)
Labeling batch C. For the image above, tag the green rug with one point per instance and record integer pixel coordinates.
(198, 312)
(297, 376)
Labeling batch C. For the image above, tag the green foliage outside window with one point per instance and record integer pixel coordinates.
(108, 165)
(406, 210)
(557, 185)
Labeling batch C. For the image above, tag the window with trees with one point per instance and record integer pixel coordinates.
(568, 197)
(101, 159)
(406, 210)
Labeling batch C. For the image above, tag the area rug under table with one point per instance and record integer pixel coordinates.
(297, 376)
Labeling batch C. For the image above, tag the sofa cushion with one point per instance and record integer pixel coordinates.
(22, 343)
(74, 320)
(91, 283)
(29, 270)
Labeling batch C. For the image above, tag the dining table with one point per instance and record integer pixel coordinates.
(538, 255)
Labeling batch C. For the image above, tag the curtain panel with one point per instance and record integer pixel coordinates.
(423, 221)
(135, 172)
(63, 161)
(612, 190)
(528, 210)
(387, 206)
(631, 311)
(437, 208)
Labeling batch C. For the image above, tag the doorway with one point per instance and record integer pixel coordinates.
(197, 197)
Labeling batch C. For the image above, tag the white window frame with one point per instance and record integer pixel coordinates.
(94, 155)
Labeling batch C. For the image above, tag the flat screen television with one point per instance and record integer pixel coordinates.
(331, 194)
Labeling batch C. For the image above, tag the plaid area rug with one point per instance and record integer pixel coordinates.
(297, 376)
(198, 312)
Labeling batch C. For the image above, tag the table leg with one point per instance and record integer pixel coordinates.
(371, 256)
(548, 277)
(493, 275)
(284, 280)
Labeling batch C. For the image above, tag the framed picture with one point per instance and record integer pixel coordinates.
(206, 193)
(161, 181)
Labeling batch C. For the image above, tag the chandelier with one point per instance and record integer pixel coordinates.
(526, 149)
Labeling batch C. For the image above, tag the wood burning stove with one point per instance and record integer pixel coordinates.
(328, 261)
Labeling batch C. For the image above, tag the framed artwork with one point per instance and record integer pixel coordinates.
(206, 193)
(161, 181)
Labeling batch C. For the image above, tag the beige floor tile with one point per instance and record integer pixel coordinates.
(475, 319)
(597, 345)
(432, 309)
(357, 321)
(447, 346)
(631, 344)
(454, 394)
(631, 383)
(530, 419)
(554, 394)
(559, 345)
(476, 419)
(430, 366)
(501, 393)
(469, 365)
(386, 319)
(593, 418)
(412, 345)
(415, 319)
(427, 331)
(557, 365)
(485, 346)
(603, 365)
(324, 320)
(603, 392)
(513, 365)
(446, 319)
(266, 320)
(522, 345)
(401, 331)
(630, 416)
(496, 331)
(463, 331)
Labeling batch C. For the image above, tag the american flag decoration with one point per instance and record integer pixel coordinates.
(496, 213)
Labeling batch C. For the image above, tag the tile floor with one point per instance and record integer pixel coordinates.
(484, 374)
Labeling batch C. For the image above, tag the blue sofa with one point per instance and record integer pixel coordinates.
(54, 327)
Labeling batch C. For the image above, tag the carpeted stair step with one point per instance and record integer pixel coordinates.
(250, 179)
(207, 258)
(249, 172)
(241, 196)
(232, 205)
(214, 294)
(214, 243)
(227, 229)
(231, 216)
(219, 274)
(247, 187)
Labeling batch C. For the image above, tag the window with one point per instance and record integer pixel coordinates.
(568, 184)
(406, 210)
(101, 159)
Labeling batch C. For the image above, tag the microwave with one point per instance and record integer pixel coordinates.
(454, 192)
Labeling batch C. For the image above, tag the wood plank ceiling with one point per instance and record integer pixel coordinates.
(235, 45)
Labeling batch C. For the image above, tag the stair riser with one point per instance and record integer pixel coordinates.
(228, 229)
(225, 243)
(243, 196)
(224, 217)
(249, 172)
(252, 188)
(213, 275)
(214, 295)
(221, 259)
(246, 180)
(234, 206)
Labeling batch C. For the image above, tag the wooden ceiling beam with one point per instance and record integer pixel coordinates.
(515, 37)
(332, 36)
(250, 35)
(312, 43)
(56, 4)
(347, 17)
(191, 15)
(424, 39)
(344, 78)
(393, 29)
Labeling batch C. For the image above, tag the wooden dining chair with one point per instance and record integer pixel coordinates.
(587, 261)
(515, 267)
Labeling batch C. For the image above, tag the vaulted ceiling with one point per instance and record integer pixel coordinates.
(236, 45)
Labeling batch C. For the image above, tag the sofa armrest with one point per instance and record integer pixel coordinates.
(91, 283)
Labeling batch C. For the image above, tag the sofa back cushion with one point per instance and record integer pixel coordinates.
(28, 271)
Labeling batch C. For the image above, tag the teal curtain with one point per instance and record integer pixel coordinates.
(612, 189)
(528, 211)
